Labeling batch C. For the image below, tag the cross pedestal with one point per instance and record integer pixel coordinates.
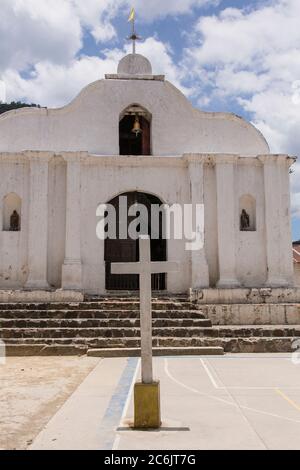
(147, 392)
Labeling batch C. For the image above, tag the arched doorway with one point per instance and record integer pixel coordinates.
(135, 131)
(127, 250)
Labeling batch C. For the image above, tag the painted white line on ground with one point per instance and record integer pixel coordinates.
(193, 390)
(211, 378)
(240, 408)
(259, 388)
(254, 410)
(210, 374)
(126, 406)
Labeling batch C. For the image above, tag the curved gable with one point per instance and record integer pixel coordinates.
(90, 123)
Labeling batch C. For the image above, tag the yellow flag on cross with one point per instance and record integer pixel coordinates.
(132, 15)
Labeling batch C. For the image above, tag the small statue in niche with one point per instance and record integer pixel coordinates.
(245, 221)
(14, 222)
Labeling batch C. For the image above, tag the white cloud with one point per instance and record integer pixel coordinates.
(151, 9)
(56, 84)
(249, 55)
(34, 30)
(253, 57)
(2, 91)
(52, 30)
(160, 56)
(295, 180)
(45, 36)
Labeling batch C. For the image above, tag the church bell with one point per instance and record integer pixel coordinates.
(137, 126)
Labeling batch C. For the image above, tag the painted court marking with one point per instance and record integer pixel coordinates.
(234, 400)
(222, 400)
(120, 408)
(210, 375)
(285, 397)
(275, 389)
(207, 367)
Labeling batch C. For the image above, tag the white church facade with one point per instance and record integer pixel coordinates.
(58, 165)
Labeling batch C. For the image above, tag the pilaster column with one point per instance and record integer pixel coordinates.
(72, 267)
(38, 221)
(277, 220)
(199, 265)
(227, 220)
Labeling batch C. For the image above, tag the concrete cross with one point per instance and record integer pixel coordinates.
(145, 268)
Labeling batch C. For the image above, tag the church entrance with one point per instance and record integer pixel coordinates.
(135, 131)
(122, 251)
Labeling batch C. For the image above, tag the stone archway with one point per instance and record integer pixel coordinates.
(127, 250)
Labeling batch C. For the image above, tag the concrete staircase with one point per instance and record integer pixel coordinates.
(109, 326)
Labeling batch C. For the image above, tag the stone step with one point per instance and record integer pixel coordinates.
(29, 346)
(161, 332)
(102, 305)
(233, 331)
(100, 323)
(61, 350)
(6, 333)
(97, 314)
(108, 343)
(135, 298)
(136, 352)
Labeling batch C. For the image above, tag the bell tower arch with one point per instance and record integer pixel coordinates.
(135, 131)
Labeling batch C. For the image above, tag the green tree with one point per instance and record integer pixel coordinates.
(4, 107)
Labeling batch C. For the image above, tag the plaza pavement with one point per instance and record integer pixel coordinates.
(231, 402)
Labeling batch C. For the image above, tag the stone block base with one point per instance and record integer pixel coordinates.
(252, 314)
(263, 295)
(147, 406)
(39, 296)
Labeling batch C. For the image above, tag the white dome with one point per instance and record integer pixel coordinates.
(134, 64)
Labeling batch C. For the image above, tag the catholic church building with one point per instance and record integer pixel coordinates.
(134, 133)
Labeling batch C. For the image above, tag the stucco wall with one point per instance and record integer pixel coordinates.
(90, 123)
(251, 246)
(14, 178)
(211, 223)
(101, 178)
(101, 183)
(56, 220)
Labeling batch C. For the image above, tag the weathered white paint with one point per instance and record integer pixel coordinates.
(253, 314)
(227, 222)
(38, 221)
(72, 165)
(199, 266)
(134, 64)
(277, 221)
(243, 295)
(72, 267)
(35, 296)
(90, 123)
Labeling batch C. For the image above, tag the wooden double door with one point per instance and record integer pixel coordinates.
(127, 250)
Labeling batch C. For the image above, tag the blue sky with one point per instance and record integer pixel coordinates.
(225, 55)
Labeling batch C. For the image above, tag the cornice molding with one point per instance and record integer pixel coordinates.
(184, 160)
